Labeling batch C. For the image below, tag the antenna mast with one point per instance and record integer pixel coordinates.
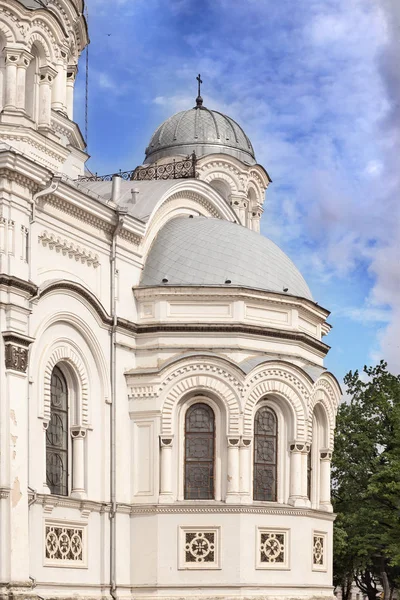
(87, 82)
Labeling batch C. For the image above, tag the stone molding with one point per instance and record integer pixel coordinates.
(199, 377)
(16, 351)
(19, 178)
(238, 392)
(79, 213)
(273, 382)
(86, 294)
(69, 249)
(63, 353)
(19, 284)
(27, 139)
(50, 502)
(145, 509)
(305, 338)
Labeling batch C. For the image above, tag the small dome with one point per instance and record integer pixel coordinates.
(202, 131)
(207, 251)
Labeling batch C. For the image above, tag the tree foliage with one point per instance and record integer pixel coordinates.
(366, 483)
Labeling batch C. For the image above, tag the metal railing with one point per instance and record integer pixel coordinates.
(177, 169)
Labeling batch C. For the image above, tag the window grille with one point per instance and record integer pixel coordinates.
(265, 455)
(199, 452)
(57, 436)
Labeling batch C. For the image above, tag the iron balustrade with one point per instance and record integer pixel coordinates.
(177, 169)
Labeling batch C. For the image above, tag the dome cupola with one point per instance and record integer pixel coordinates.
(202, 131)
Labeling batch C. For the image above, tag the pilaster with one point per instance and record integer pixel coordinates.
(298, 474)
(325, 480)
(233, 470)
(14, 509)
(72, 71)
(47, 75)
(78, 435)
(166, 495)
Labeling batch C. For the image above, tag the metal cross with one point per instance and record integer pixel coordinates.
(199, 83)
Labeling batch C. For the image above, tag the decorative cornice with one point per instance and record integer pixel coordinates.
(160, 328)
(88, 296)
(211, 292)
(79, 213)
(69, 249)
(196, 197)
(14, 337)
(146, 509)
(27, 139)
(50, 502)
(19, 178)
(235, 329)
(17, 283)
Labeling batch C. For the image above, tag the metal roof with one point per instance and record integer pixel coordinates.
(202, 131)
(208, 251)
(33, 4)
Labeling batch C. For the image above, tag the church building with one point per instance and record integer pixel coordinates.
(166, 419)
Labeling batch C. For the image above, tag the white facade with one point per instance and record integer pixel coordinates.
(130, 363)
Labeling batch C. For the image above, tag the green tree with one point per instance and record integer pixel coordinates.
(366, 483)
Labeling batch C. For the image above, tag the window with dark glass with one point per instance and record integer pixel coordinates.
(199, 452)
(265, 455)
(309, 474)
(57, 436)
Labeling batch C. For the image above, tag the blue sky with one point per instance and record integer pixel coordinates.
(316, 86)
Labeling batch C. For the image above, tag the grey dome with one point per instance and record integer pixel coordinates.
(200, 130)
(207, 251)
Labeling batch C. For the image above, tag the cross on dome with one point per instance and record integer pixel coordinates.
(199, 99)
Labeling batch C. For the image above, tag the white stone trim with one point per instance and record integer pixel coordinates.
(277, 379)
(261, 550)
(199, 379)
(211, 545)
(321, 535)
(64, 353)
(71, 531)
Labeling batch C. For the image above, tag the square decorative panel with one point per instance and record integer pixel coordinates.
(199, 548)
(272, 550)
(65, 544)
(319, 550)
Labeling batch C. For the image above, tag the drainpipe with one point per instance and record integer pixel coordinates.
(52, 187)
(55, 182)
(113, 408)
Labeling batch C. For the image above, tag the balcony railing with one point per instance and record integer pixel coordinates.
(177, 169)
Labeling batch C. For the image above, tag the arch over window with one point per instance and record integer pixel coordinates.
(199, 452)
(222, 187)
(265, 455)
(57, 436)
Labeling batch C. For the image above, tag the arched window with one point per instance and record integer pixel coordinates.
(265, 455)
(57, 436)
(199, 452)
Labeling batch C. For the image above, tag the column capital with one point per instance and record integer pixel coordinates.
(22, 58)
(299, 446)
(233, 442)
(46, 74)
(78, 431)
(72, 71)
(326, 454)
(245, 442)
(166, 441)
